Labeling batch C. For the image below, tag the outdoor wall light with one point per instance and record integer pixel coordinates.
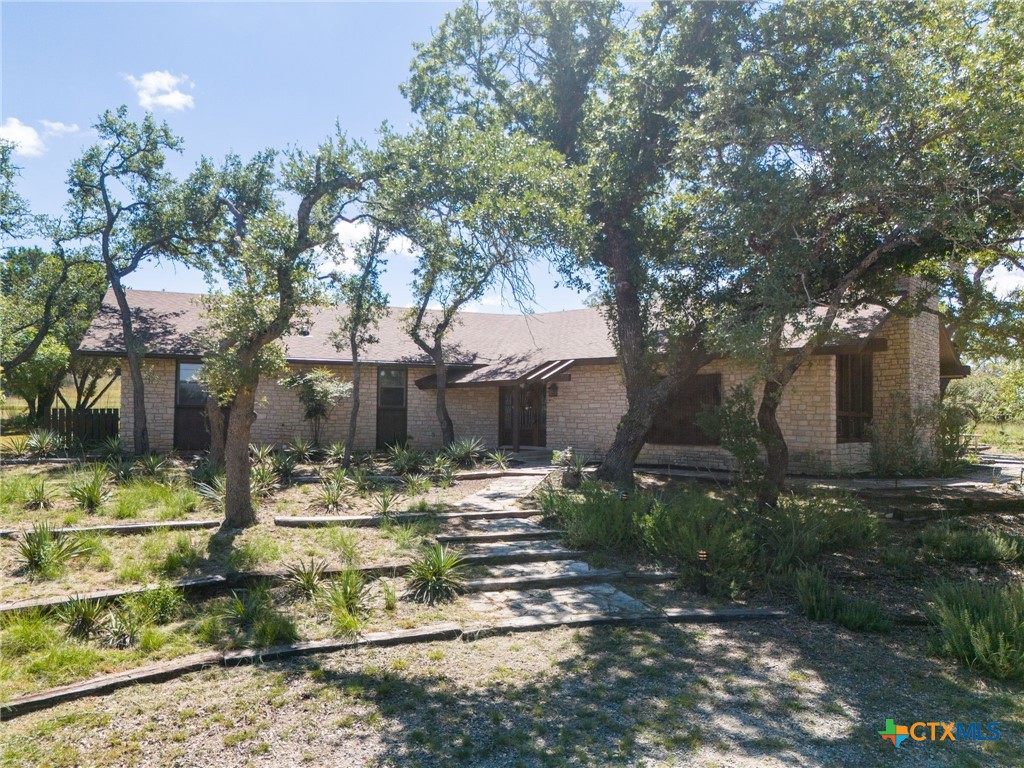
(553, 390)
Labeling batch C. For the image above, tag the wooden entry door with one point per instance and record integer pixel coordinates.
(191, 427)
(529, 407)
(392, 410)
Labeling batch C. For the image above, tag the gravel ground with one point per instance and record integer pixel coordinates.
(788, 693)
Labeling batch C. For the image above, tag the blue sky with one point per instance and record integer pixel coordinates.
(226, 76)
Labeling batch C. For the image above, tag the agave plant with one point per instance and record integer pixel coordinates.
(120, 470)
(361, 479)
(151, 465)
(17, 445)
(82, 617)
(331, 495)
(305, 578)
(443, 471)
(436, 576)
(385, 502)
(38, 495)
(215, 491)
(262, 480)
(404, 460)
(44, 552)
(335, 453)
(283, 463)
(91, 493)
(302, 450)
(43, 442)
(112, 448)
(261, 453)
(417, 484)
(498, 459)
(465, 451)
(124, 625)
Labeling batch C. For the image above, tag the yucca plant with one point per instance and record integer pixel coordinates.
(262, 480)
(243, 609)
(215, 491)
(90, 494)
(302, 450)
(305, 578)
(443, 471)
(404, 460)
(44, 553)
(17, 445)
(120, 470)
(38, 496)
(436, 576)
(283, 463)
(43, 442)
(81, 617)
(498, 459)
(261, 453)
(390, 596)
(124, 625)
(335, 453)
(151, 465)
(385, 502)
(417, 484)
(344, 599)
(112, 448)
(331, 495)
(361, 479)
(465, 451)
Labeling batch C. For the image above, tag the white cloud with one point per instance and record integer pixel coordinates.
(25, 138)
(351, 233)
(1004, 281)
(57, 128)
(162, 89)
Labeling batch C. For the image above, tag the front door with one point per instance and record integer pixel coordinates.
(191, 427)
(391, 407)
(529, 406)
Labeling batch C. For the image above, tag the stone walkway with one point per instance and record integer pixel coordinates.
(528, 536)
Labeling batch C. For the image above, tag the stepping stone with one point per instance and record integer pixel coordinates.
(558, 568)
(521, 547)
(527, 534)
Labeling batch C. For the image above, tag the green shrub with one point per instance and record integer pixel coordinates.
(274, 628)
(91, 493)
(44, 553)
(305, 578)
(125, 623)
(436, 576)
(37, 495)
(112, 448)
(385, 502)
(597, 517)
(405, 460)
(390, 596)
(863, 616)
(284, 463)
(817, 600)
(800, 528)
(120, 471)
(335, 453)
(262, 480)
(331, 495)
(418, 484)
(43, 442)
(345, 592)
(243, 609)
(81, 617)
(161, 605)
(963, 546)
(442, 470)
(151, 465)
(982, 626)
(465, 452)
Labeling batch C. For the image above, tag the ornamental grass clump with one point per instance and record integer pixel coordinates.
(44, 553)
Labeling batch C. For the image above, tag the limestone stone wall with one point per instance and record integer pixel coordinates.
(279, 414)
(158, 379)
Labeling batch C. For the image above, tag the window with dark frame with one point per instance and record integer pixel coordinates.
(391, 387)
(190, 391)
(854, 378)
(676, 422)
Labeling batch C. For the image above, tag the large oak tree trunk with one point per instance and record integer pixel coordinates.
(217, 418)
(353, 418)
(140, 431)
(774, 442)
(443, 418)
(238, 508)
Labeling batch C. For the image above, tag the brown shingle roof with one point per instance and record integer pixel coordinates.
(504, 346)
(499, 347)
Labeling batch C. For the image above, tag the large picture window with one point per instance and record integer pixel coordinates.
(676, 423)
(854, 374)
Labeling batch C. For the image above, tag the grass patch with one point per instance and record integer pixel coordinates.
(252, 553)
(820, 602)
(960, 545)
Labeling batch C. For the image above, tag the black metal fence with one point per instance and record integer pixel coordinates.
(89, 426)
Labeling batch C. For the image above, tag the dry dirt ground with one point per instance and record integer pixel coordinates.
(785, 693)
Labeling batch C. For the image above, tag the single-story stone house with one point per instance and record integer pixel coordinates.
(548, 379)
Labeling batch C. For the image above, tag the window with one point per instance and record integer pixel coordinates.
(853, 397)
(676, 423)
(391, 388)
(190, 391)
